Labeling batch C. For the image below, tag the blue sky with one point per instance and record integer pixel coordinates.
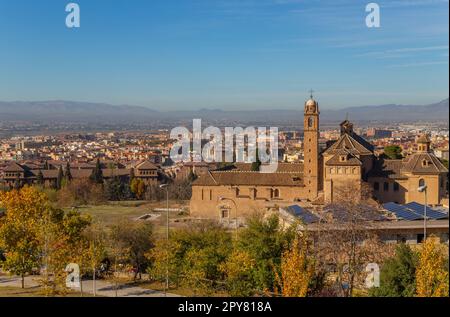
(228, 54)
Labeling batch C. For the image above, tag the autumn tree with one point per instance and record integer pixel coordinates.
(137, 187)
(238, 270)
(62, 241)
(19, 229)
(96, 237)
(164, 257)
(431, 274)
(296, 268)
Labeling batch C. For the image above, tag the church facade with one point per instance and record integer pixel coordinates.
(314, 183)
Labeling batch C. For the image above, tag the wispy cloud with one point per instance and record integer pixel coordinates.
(419, 64)
(402, 52)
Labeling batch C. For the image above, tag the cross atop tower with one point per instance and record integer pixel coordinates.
(311, 92)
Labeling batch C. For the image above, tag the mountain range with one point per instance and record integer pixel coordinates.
(72, 111)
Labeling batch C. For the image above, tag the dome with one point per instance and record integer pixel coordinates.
(423, 139)
(311, 102)
(311, 106)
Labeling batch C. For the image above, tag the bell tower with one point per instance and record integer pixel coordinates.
(311, 147)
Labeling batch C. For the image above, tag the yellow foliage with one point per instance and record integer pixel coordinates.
(19, 229)
(239, 262)
(296, 270)
(431, 276)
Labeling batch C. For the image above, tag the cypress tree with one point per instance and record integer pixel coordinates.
(68, 174)
(40, 178)
(59, 179)
(97, 174)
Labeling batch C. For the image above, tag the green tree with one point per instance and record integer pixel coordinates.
(398, 274)
(265, 240)
(40, 178)
(257, 164)
(60, 178)
(133, 241)
(68, 174)
(195, 256)
(394, 152)
(97, 173)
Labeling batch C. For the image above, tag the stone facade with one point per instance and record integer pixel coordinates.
(315, 182)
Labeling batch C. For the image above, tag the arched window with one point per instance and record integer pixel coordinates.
(276, 193)
(310, 122)
(421, 182)
(225, 213)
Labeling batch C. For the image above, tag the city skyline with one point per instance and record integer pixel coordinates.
(225, 54)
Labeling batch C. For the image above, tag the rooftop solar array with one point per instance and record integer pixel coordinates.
(413, 211)
(431, 213)
(305, 215)
(401, 212)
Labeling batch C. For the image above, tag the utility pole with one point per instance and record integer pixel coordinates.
(423, 189)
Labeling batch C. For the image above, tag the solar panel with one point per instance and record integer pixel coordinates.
(431, 213)
(305, 215)
(402, 212)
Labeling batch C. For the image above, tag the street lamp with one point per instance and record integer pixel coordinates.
(235, 208)
(166, 286)
(423, 189)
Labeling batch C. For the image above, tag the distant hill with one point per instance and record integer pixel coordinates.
(393, 112)
(71, 111)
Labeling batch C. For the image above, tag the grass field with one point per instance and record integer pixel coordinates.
(113, 212)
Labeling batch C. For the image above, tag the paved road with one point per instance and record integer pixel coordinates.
(104, 288)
